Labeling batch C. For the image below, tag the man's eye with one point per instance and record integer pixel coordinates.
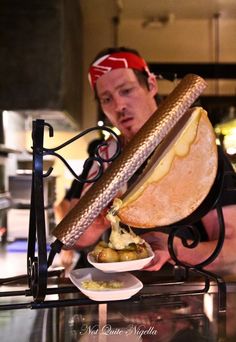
(105, 100)
(126, 91)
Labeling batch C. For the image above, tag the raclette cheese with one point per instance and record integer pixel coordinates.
(179, 179)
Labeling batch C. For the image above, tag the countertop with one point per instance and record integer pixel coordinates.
(164, 310)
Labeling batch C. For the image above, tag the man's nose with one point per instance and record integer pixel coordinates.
(120, 105)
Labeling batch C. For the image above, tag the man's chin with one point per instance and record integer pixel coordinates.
(129, 133)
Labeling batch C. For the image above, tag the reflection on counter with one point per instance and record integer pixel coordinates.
(154, 318)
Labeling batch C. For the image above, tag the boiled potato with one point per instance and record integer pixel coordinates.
(108, 255)
(127, 255)
(103, 253)
(142, 251)
(98, 248)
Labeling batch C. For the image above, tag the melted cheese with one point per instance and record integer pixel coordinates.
(120, 238)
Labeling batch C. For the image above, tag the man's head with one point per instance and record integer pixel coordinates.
(125, 88)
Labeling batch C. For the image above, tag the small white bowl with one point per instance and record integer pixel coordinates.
(131, 284)
(121, 266)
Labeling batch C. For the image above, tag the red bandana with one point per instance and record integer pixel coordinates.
(115, 61)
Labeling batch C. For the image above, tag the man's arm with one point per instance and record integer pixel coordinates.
(225, 262)
(93, 232)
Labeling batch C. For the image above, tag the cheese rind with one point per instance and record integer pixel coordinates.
(179, 182)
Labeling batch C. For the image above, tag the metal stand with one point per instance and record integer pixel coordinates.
(38, 263)
(37, 259)
(182, 270)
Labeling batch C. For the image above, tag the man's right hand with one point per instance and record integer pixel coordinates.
(158, 243)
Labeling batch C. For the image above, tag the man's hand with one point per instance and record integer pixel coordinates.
(158, 243)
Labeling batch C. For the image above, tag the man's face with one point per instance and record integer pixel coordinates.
(126, 103)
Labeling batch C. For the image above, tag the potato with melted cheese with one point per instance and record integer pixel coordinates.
(123, 245)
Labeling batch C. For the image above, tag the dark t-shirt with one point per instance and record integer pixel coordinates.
(77, 186)
(229, 192)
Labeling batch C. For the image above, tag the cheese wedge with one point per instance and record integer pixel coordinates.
(177, 178)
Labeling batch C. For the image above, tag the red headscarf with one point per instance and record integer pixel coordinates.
(115, 61)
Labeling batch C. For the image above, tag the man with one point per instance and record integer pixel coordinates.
(126, 91)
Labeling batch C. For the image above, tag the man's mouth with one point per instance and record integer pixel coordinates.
(126, 122)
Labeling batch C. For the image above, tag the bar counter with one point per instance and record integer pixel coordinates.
(163, 310)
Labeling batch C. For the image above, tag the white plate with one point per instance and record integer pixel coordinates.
(121, 266)
(131, 284)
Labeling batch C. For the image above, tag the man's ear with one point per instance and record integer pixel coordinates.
(152, 84)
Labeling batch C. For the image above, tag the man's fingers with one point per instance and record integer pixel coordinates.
(160, 258)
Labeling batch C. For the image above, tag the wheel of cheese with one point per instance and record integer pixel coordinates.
(178, 176)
